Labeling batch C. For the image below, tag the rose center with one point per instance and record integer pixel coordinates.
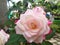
(32, 25)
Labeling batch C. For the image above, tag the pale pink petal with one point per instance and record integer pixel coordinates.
(24, 17)
(30, 39)
(18, 30)
(27, 34)
(47, 30)
(20, 25)
(4, 35)
(50, 32)
(40, 39)
(29, 11)
(39, 10)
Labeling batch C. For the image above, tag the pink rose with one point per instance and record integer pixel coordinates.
(49, 22)
(39, 10)
(33, 25)
(16, 20)
(3, 37)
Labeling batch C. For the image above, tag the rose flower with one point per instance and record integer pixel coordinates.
(3, 37)
(33, 25)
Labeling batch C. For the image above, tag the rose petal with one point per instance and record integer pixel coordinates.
(20, 25)
(49, 23)
(40, 39)
(18, 30)
(5, 36)
(39, 10)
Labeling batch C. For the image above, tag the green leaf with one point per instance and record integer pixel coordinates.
(31, 1)
(10, 24)
(49, 36)
(46, 43)
(22, 39)
(19, 3)
(15, 39)
(25, 3)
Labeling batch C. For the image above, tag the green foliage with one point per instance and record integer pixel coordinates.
(9, 23)
(31, 1)
(15, 39)
(56, 25)
(57, 17)
(56, 22)
(54, 8)
(49, 36)
(46, 43)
